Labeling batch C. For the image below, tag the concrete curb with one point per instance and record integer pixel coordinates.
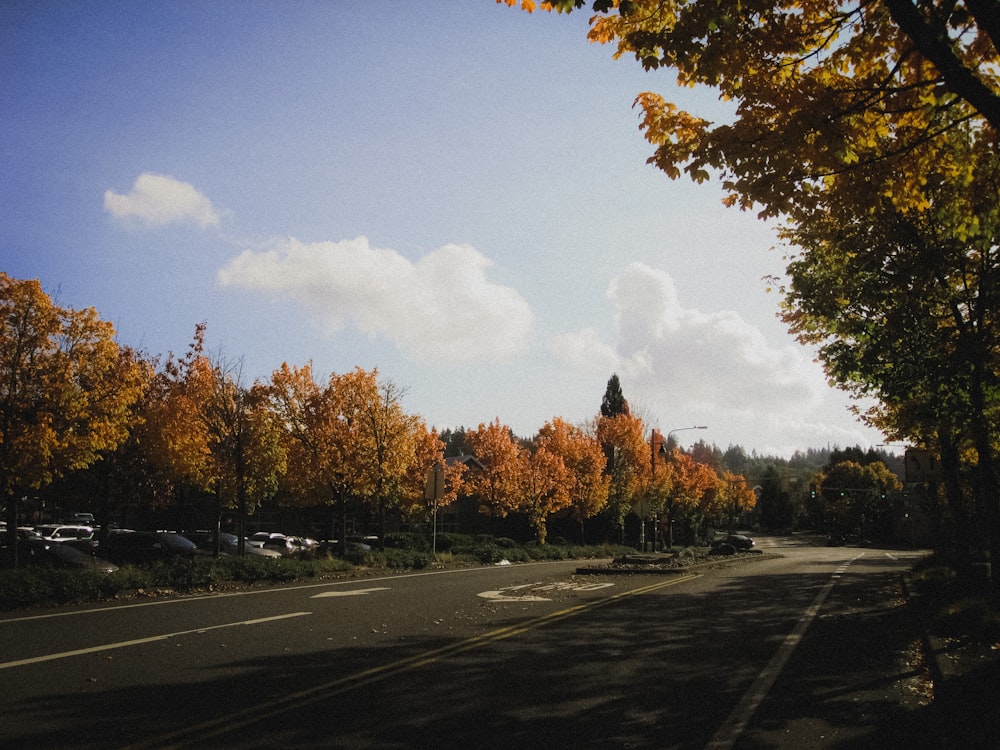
(653, 569)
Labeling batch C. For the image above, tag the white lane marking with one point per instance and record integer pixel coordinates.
(258, 592)
(737, 721)
(349, 592)
(139, 641)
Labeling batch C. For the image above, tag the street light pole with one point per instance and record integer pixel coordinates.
(681, 429)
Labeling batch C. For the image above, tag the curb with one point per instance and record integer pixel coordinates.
(640, 569)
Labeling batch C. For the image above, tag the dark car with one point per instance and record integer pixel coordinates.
(140, 547)
(731, 544)
(42, 552)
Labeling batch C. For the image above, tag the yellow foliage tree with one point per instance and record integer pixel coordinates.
(66, 391)
(818, 86)
(627, 462)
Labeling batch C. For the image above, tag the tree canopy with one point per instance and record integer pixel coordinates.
(66, 389)
(817, 86)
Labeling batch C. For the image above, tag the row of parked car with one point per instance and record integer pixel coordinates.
(77, 546)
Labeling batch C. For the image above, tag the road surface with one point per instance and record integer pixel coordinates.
(740, 655)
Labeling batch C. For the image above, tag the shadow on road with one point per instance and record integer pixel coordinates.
(661, 670)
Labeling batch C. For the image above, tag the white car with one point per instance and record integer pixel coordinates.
(61, 533)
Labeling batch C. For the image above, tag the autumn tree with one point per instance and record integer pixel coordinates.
(817, 87)
(543, 486)
(317, 440)
(246, 453)
(65, 392)
(627, 463)
(208, 431)
(429, 453)
(687, 483)
(584, 459)
(735, 497)
(349, 440)
(394, 442)
(498, 483)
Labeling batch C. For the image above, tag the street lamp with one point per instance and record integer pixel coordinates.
(681, 429)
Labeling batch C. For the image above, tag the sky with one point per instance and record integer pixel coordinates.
(454, 194)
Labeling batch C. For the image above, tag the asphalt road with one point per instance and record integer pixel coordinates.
(770, 653)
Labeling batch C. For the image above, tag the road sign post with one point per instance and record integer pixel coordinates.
(434, 491)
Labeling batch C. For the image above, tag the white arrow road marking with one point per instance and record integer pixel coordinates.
(349, 592)
(500, 596)
(512, 593)
(139, 641)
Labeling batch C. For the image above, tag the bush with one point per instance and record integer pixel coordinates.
(407, 541)
(43, 586)
(401, 559)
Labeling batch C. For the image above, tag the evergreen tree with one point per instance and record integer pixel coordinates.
(614, 404)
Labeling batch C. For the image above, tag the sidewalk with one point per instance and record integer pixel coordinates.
(965, 712)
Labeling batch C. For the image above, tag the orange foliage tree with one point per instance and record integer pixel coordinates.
(687, 482)
(429, 453)
(544, 483)
(585, 462)
(497, 484)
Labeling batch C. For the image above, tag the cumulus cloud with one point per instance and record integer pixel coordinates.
(157, 200)
(442, 308)
(685, 364)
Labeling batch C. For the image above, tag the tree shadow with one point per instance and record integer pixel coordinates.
(664, 670)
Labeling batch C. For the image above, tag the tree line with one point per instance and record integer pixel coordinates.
(147, 432)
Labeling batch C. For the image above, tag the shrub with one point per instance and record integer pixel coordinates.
(408, 541)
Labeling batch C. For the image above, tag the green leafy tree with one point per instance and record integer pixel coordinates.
(901, 303)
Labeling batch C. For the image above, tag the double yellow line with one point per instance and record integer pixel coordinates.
(241, 720)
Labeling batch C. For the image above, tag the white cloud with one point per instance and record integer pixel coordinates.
(158, 200)
(686, 366)
(440, 309)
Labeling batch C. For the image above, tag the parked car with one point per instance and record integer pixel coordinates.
(286, 544)
(42, 552)
(739, 541)
(140, 547)
(731, 544)
(61, 532)
(228, 544)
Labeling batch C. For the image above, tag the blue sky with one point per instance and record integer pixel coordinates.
(453, 193)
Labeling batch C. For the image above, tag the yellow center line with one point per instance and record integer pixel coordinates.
(244, 718)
